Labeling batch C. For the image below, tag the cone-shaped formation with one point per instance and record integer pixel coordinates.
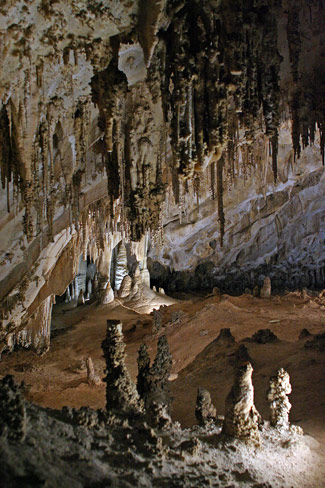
(13, 418)
(280, 406)
(108, 295)
(264, 336)
(92, 377)
(266, 288)
(225, 337)
(241, 417)
(152, 382)
(125, 288)
(242, 355)
(205, 411)
(121, 393)
(81, 298)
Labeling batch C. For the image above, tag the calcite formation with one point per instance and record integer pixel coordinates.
(266, 289)
(241, 417)
(277, 396)
(121, 392)
(13, 416)
(92, 378)
(205, 411)
(152, 382)
(120, 120)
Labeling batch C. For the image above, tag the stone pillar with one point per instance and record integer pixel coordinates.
(121, 393)
(241, 417)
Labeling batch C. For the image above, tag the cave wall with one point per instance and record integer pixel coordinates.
(127, 117)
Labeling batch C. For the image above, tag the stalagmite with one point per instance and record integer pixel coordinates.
(13, 417)
(125, 287)
(81, 298)
(121, 269)
(205, 411)
(121, 393)
(266, 288)
(108, 295)
(241, 417)
(92, 377)
(277, 396)
(152, 383)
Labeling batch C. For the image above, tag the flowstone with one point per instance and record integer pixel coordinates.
(241, 417)
(121, 392)
(277, 395)
(13, 417)
(205, 411)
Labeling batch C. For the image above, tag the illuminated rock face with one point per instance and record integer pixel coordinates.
(277, 395)
(127, 118)
(241, 416)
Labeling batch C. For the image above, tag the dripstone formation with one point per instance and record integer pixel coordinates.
(121, 392)
(205, 411)
(152, 382)
(277, 396)
(241, 417)
(13, 417)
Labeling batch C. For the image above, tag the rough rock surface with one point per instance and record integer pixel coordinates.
(205, 411)
(121, 392)
(13, 417)
(241, 417)
(277, 396)
(152, 382)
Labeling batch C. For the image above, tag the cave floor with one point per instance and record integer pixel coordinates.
(59, 377)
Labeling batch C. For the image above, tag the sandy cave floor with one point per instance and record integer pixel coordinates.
(59, 377)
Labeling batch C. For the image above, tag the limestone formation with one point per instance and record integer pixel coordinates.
(241, 417)
(225, 337)
(264, 336)
(266, 288)
(92, 377)
(157, 319)
(256, 291)
(242, 355)
(13, 417)
(121, 393)
(304, 333)
(277, 396)
(152, 382)
(205, 411)
(125, 287)
(108, 295)
(81, 298)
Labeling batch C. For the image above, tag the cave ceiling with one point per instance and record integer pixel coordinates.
(118, 117)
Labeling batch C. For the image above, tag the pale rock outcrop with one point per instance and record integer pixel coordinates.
(241, 417)
(121, 393)
(121, 269)
(92, 378)
(205, 411)
(81, 298)
(266, 289)
(277, 396)
(108, 295)
(125, 288)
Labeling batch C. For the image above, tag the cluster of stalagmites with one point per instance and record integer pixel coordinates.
(242, 420)
(149, 399)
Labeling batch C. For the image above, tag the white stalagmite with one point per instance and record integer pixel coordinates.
(121, 269)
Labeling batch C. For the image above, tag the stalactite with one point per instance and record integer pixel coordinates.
(221, 214)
